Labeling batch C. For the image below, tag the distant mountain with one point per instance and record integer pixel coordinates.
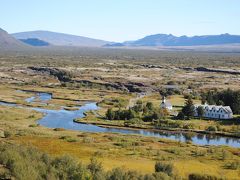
(9, 42)
(60, 39)
(170, 40)
(35, 42)
(114, 45)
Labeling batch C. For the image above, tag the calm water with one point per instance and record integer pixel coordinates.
(64, 119)
(41, 96)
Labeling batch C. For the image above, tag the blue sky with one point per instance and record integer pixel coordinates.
(120, 20)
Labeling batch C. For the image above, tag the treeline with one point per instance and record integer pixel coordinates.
(142, 111)
(226, 98)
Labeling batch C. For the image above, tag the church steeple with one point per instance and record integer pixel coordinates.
(166, 104)
(163, 99)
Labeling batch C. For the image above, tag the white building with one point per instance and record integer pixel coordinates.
(215, 112)
(166, 104)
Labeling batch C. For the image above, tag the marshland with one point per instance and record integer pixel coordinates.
(120, 80)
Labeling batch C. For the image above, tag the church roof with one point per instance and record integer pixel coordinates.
(227, 109)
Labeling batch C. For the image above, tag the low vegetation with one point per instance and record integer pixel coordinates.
(28, 163)
(31, 151)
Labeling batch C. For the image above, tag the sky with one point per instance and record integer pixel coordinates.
(121, 20)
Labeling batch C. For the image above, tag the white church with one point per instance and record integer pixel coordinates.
(215, 112)
(166, 104)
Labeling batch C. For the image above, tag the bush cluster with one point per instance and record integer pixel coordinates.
(141, 111)
(28, 163)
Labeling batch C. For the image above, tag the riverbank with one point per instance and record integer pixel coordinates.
(66, 118)
(138, 153)
(121, 125)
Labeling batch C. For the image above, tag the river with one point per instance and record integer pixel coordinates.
(64, 119)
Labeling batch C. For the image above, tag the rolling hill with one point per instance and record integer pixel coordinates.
(7, 42)
(60, 39)
(171, 40)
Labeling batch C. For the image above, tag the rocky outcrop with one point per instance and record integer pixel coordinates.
(61, 75)
(150, 66)
(129, 86)
(204, 69)
(187, 68)
(217, 70)
(64, 76)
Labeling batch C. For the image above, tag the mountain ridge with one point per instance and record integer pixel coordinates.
(60, 39)
(155, 41)
(171, 40)
(9, 42)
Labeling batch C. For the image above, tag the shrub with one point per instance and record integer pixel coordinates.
(168, 124)
(110, 114)
(68, 138)
(5, 175)
(161, 176)
(31, 116)
(149, 106)
(188, 126)
(120, 114)
(28, 163)
(233, 165)
(194, 176)
(211, 128)
(174, 151)
(88, 139)
(133, 121)
(165, 168)
(59, 129)
(68, 168)
(7, 134)
(33, 125)
(180, 116)
(95, 168)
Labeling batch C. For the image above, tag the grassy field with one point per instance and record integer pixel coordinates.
(119, 151)
(103, 77)
(115, 150)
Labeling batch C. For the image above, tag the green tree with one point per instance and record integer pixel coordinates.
(131, 114)
(189, 109)
(227, 98)
(110, 114)
(180, 116)
(156, 115)
(138, 106)
(149, 106)
(200, 111)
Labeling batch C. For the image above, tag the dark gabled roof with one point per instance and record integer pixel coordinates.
(227, 109)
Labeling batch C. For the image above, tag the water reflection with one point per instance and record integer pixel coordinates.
(64, 119)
